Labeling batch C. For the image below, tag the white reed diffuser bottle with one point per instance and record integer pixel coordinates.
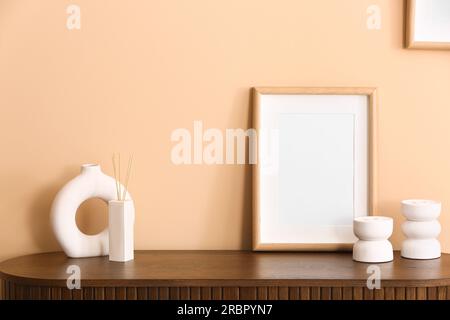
(121, 220)
(121, 230)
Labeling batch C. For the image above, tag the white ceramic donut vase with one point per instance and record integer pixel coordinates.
(421, 229)
(373, 245)
(91, 183)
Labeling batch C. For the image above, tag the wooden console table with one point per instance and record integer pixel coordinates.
(223, 275)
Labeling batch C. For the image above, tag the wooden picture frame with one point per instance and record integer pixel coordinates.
(259, 93)
(413, 40)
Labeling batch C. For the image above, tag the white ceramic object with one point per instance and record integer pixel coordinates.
(91, 183)
(421, 229)
(421, 210)
(121, 230)
(373, 245)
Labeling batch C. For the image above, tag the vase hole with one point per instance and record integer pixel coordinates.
(92, 216)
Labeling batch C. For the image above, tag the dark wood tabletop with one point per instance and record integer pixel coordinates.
(223, 275)
(191, 268)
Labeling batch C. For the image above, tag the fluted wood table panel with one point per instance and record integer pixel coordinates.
(223, 275)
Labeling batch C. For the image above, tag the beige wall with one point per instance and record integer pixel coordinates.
(137, 70)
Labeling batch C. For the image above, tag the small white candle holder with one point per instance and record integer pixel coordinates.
(421, 229)
(373, 245)
(121, 230)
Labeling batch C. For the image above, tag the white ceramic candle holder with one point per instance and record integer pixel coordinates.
(121, 230)
(373, 245)
(421, 229)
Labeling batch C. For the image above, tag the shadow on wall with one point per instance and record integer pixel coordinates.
(39, 213)
(247, 205)
(92, 215)
(392, 209)
(234, 200)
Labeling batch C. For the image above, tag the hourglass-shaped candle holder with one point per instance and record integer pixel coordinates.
(421, 229)
(373, 245)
